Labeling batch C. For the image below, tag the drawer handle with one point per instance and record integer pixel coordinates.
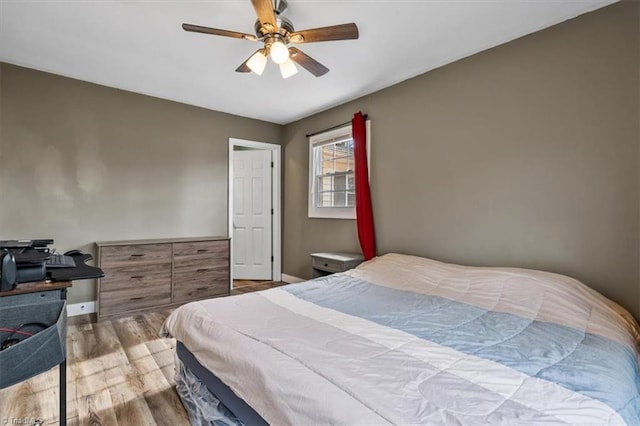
(202, 250)
(202, 270)
(137, 277)
(136, 298)
(137, 255)
(202, 288)
(326, 264)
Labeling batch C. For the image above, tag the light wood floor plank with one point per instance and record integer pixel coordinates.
(22, 405)
(164, 406)
(251, 286)
(122, 379)
(162, 350)
(94, 403)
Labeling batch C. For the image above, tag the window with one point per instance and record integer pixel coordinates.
(332, 191)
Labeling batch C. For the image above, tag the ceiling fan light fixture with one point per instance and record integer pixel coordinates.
(275, 32)
(257, 62)
(279, 52)
(288, 68)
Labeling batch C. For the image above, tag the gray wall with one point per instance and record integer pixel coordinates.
(524, 155)
(81, 163)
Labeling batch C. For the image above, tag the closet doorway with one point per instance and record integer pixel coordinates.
(254, 210)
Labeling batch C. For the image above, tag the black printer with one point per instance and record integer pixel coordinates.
(23, 261)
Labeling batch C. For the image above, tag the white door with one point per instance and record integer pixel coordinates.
(252, 224)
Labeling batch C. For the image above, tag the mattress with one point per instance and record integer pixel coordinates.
(408, 340)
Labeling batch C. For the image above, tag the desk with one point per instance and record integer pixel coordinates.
(39, 286)
(44, 292)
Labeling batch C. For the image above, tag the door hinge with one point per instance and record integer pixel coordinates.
(271, 211)
(272, 258)
(272, 164)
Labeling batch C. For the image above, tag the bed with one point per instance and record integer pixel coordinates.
(408, 340)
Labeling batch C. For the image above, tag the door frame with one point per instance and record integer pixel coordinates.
(276, 234)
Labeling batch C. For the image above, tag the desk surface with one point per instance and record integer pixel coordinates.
(36, 286)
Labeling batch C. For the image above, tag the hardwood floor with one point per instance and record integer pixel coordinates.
(245, 283)
(246, 286)
(119, 372)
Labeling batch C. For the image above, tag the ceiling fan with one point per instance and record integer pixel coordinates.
(276, 32)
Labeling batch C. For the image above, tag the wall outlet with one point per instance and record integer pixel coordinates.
(81, 308)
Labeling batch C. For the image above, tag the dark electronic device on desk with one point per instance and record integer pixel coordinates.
(8, 271)
(80, 272)
(28, 256)
(23, 244)
(24, 261)
(57, 260)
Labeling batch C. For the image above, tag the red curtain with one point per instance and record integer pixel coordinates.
(364, 211)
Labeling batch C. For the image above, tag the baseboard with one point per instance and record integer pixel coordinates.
(290, 279)
(81, 308)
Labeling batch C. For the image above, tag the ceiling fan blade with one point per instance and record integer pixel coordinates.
(216, 31)
(307, 62)
(243, 66)
(335, 32)
(266, 16)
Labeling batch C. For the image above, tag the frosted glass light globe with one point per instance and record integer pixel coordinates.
(257, 62)
(288, 68)
(279, 52)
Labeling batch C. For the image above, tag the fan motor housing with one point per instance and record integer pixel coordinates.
(285, 27)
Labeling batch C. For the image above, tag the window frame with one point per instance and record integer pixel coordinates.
(323, 138)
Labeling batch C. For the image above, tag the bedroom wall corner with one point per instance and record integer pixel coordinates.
(303, 235)
(525, 155)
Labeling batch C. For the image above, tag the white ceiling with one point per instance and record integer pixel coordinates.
(139, 46)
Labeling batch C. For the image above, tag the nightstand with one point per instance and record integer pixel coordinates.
(329, 263)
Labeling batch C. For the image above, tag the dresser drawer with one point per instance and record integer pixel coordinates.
(135, 275)
(199, 285)
(201, 263)
(135, 254)
(217, 248)
(134, 298)
(185, 277)
(198, 276)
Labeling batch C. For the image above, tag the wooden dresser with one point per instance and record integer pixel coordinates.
(141, 275)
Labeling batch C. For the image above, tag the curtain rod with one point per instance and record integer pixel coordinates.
(337, 126)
